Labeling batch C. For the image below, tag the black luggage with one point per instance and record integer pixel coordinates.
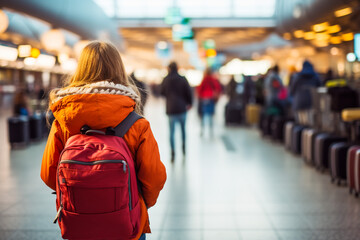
(36, 127)
(322, 149)
(277, 128)
(296, 139)
(338, 161)
(18, 131)
(234, 113)
(342, 97)
(266, 125)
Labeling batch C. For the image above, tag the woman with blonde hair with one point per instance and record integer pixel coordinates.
(100, 95)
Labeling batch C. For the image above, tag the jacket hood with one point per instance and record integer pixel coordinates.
(99, 109)
(308, 69)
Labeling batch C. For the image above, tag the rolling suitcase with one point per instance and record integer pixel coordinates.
(252, 113)
(277, 128)
(338, 162)
(351, 165)
(310, 138)
(322, 145)
(318, 146)
(296, 139)
(304, 143)
(18, 131)
(357, 172)
(36, 127)
(233, 113)
(288, 131)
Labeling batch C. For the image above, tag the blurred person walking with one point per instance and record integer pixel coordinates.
(273, 89)
(21, 104)
(179, 99)
(100, 102)
(208, 92)
(300, 90)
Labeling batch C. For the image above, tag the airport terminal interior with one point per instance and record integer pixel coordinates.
(271, 109)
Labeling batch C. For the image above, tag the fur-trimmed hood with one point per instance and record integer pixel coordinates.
(102, 87)
(98, 105)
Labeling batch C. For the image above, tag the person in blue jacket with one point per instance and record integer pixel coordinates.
(300, 90)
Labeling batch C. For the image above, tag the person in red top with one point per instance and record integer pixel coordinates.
(208, 93)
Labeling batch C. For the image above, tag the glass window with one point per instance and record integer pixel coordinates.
(189, 8)
(263, 8)
(107, 6)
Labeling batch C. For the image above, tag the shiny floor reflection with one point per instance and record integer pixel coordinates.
(231, 186)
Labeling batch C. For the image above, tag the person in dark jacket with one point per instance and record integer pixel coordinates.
(179, 99)
(300, 90)
(143, 91)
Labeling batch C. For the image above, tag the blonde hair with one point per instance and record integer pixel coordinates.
(100, 61)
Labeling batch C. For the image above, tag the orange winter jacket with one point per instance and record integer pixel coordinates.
(100, 111)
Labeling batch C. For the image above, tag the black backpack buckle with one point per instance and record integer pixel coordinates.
(110, 131)
(84, 129)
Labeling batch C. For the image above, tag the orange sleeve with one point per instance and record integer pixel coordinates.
(151, 171)
(51, 156)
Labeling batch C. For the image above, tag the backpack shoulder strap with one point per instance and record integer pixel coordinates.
(125, 125)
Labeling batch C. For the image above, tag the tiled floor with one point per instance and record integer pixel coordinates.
(231, 186)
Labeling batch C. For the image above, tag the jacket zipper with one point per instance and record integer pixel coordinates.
(125, 166)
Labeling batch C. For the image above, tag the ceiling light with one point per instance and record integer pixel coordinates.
(29, 61)
(45, 61)
(24, 50)
(53, 40)
(35, 52)
(343, 12)
(318, 43)
(334, 51)
(347, 36)
(335, 40)
(299, 33)
(334, 29)
(320, 27)
(322, 36)
(8, 53)
(309, 35)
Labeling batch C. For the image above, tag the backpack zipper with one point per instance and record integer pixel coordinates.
(97, 162)
(125, 166)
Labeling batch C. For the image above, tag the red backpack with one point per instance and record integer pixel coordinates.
(96, 188)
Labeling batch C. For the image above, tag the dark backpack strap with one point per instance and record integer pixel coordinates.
(125, 125)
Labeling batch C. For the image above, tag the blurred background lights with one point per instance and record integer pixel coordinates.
(79, 46)
(53, 40)
(334, 51)
(162, 45)
(8, 53)
(63, 57)
(351, 57)
(35, 52)
(343, 12)
(4, 21)
(24, 50)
